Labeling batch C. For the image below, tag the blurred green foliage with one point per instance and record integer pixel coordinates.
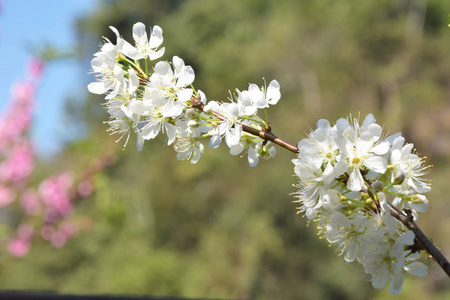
(220, 229)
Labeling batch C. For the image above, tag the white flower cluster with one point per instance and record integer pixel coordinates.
(350, 175)
(164, 101)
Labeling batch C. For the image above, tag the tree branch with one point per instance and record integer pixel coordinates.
(265, 134)
(269, 136)
(426, 243)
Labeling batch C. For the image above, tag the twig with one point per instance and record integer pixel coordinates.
(424, 240)
(264, 134)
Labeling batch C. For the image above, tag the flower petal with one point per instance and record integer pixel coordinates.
(376, 163)
(236, 149)
(215, 141)
(139, 31)
(186, 77)
(97, 88)
(381, 148)
(355, 181)
(252, 157)
(156, 37)
(417, 269)
(273, 92)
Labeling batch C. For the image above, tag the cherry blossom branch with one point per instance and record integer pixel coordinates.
(334, 163)
(426, 243)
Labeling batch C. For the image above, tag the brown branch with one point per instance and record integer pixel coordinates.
(269, 136)
(265, 134)
(424, 240)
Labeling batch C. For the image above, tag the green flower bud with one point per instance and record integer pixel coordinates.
(369, 202)
(120, 57)
(364, 195)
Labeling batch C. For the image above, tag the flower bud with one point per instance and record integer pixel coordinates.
(377, 186)
(208, 110)
(120, 57)
(341, 208)
(364, 195)
(369, 202)
(191, 113)
(193, 123)
(418, 199)
(398, 178)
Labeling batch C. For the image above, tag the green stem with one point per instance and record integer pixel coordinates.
(256, 119)
(136, 66)
(267, 116)
(195, 91)
(146, 66)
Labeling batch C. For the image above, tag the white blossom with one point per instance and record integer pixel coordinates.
(147, 46)
(336, 167)
(262, 97)
(188, 147)
(171, 85)
(409, 165)
(227, 126)
(110, 77)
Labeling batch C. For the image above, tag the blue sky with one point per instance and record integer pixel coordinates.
(37, 22)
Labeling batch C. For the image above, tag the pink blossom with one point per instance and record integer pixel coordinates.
(21, 243)
(18, 247)
(47, 232)
(22, 92)
(68, 228)
(7, 196)
(25, 232)
(55, 194)
(35, 68)
(19, 164)
(30, 202)
(17, 117)
(58, 239)
(85, 188)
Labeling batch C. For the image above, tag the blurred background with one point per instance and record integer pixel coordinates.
(220, 229)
